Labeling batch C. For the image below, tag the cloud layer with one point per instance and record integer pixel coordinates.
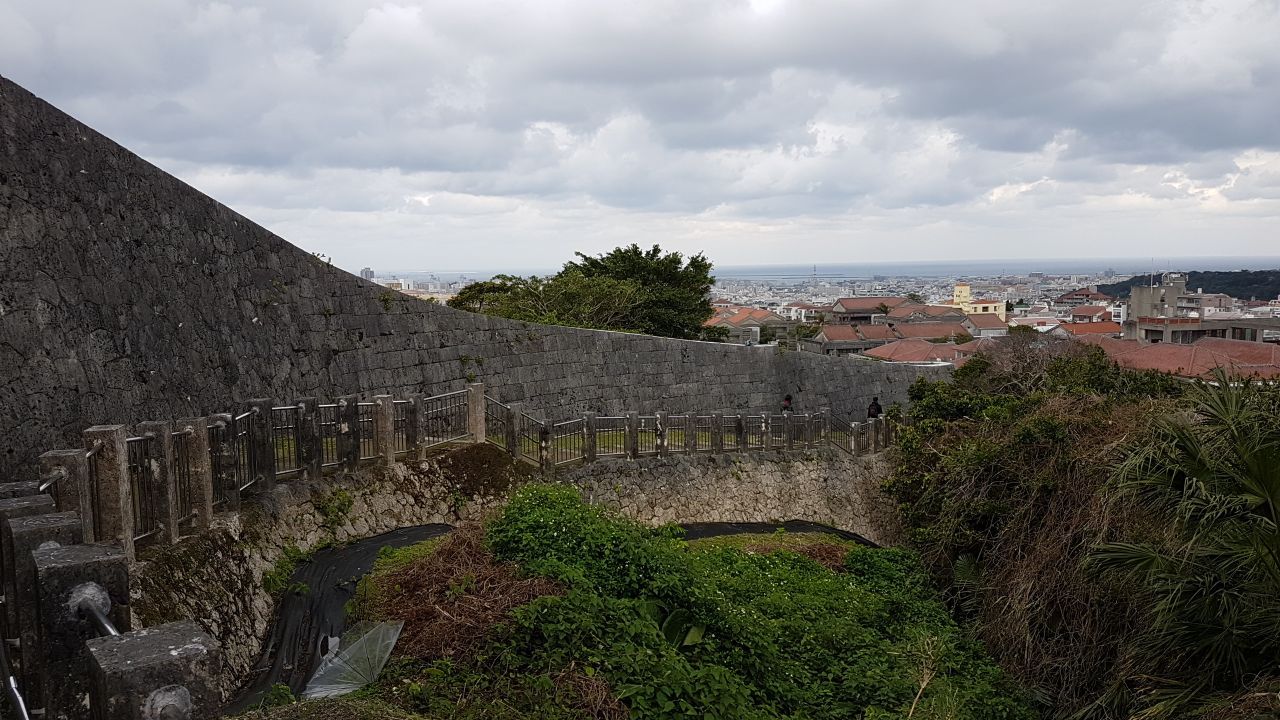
(443, 135)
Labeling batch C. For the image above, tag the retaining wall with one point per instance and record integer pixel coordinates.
(126, 295)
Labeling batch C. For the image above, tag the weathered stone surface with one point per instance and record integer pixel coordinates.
(155, 673)
(126, 295)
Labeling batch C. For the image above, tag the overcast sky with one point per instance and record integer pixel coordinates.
(484, 135)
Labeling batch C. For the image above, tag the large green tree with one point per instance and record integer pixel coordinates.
(676, 291)
(627, 289)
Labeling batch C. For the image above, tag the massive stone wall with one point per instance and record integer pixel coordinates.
(127, 295)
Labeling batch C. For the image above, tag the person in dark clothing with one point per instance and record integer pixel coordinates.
(874, 410)
(786, 404)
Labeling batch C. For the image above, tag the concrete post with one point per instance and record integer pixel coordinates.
(806, 437)
(167, 671)
(418, 426)
(740, 431)
(194, 436)
(514, 413)
(890, 431)
(222, 458)
(475, 411)
(310, 451)
(164, 488)
(349, 431)
(72, 490)
(68, 577)
(788, 431)
(13, 509)
(412, 431)
(589, 448)
(690, 433)
(262, 448)
(717, 433)
(631, 447)
(660, 434)
(544, 447)
(384, 429)
(768, 432)
(113, 512)
(22, 537)
(873, 427)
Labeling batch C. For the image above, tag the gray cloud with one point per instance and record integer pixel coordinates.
(416, 132)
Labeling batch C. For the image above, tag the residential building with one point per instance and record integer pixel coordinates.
(915, 350)
(745, 324)
(962, 298)
(366, 273)
(1083, 296)
(986, 325)
(863, 308)
(1090, 314)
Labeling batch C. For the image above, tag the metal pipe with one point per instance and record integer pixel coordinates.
(97, 445)
(52, 477)
(98, 618)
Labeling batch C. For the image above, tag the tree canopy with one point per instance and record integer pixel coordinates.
(628, 289)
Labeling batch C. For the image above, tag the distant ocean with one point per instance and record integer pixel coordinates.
(990, 268)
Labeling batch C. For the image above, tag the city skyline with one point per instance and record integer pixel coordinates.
(436, 134)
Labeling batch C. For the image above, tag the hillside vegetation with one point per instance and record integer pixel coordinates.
(1242, 284)
(1111, 535)
(558, 609)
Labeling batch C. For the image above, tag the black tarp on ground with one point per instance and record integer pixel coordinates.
(305, 619)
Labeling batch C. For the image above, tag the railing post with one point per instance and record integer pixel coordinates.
(807, 438)
(890, 431)
(690, 433)
(855, 438)
(589, 450)
(72, 491)
(22, 537)
(514, 412)
(412, 427)
(69, 577)
(349, 432)
(788, 431)
(195, 435)
(873, 431)
(717, 433)
(384, 429)
(310, 453)
(417, 426)
(740, 431)
(11, 510)
(660, 434)
(631, 447)
(221, 449)
(475, 411)
(544, 447)
(114, 510)
(262, 443)
(165, 671)
(767, 440)
(159, 456)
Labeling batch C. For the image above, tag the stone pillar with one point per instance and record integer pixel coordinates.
(167, 671)
(71, 489)
(194, 436)
(717, 433)
(514, 411)
(384, 429)
(26, 487)
(262, 448)
(690, 433)
(12, 509)
(66, 577)
(855, 438)
(22, 537)
(631, 446)
(113, 513)
(788, 431)
(222, 458)
(740, 431)
(310, 450)
(544, 447)
(413, 428)
(806, 438)
(475, 411)
(349, 432)
(767, 441)
(589, 437)
(164, 489)
(874, 426)
(660, 434)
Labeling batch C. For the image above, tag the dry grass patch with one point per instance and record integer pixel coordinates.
(829, 551)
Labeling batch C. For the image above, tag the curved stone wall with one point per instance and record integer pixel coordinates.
(127, 295)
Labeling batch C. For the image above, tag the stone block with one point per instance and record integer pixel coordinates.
(167, 671)
(22, 537)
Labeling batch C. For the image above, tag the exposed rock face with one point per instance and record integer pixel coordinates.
(126, 295)
(217, 578)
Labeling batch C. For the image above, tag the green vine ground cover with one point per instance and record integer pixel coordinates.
(647, 625)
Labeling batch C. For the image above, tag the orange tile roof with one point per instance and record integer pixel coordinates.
(867, 302)
(876, 332)
(839, 333)
(909, 309)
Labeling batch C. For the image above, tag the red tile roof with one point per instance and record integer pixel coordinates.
(914, 350)
(838, 333)
(1197, 360)
(876, 332)
(1093, 328)
(906, 310)
(930, 330)
(1089, 310)
(867, 303)
(987, 321)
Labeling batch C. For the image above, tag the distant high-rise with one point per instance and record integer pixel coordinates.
(366, 273)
